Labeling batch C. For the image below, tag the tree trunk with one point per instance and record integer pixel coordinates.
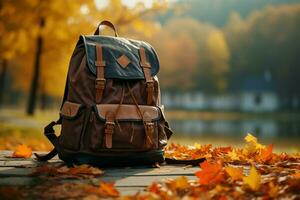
(2, 80)
(43, 97)
(36, 73)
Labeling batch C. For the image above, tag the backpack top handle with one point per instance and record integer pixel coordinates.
(106, 23)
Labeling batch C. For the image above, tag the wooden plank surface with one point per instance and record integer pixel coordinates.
(128, 180)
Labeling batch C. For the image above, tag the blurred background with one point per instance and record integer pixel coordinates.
(228, 67)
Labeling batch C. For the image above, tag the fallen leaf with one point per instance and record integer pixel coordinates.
(253, 180)
(45, 170)
(180, 183)
(154, 187)
(233, 155)
(104, 190)
(22, 151)
(109, 189)
(273, 190)
(236, 173)
(77, 171)
(81, 170)
(210, 173)
(250, 138)
(266, 153)
(296, 175)
(252, 145)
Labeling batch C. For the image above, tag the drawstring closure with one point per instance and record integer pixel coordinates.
(112, 119)
(119, 106)
(148, 124)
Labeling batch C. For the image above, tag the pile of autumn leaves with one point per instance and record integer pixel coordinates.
(231, 173)
(228, 173)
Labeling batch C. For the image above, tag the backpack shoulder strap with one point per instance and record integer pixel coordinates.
(50, 133)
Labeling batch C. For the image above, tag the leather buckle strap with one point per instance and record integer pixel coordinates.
(147, 73)
(100, 63)
(109, 131)
(100, 83)
(145, 64)
(100, 80)
(149, 90)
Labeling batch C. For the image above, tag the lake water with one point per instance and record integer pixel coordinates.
(285, 134)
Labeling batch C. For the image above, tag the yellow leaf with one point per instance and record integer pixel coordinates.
(197, 145)
(22, 151)
(252, 144)
(180, 183)
(253, 180)
(233, 155)
(236, 173)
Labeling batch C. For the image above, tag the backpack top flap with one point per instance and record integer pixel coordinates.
(121, 56)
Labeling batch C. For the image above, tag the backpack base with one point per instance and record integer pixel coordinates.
(108, 159)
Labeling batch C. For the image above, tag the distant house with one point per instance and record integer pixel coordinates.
(255, 95)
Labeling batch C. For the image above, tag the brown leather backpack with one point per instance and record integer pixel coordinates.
(111, 112)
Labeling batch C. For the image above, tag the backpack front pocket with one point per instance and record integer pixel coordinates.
(72, 125)
(114, 126)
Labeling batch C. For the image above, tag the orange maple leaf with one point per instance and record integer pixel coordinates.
(266, 153)
(104, 190)
(22, 151)
(236, 173)
(210, 173)
(154, 188)
(109, 189)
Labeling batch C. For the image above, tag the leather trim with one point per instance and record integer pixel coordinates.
(70, 110)
(123, 61)
(128, 112)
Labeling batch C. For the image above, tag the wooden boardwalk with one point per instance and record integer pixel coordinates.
(129, 180)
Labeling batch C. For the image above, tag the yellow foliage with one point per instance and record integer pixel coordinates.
(65, 21)
(252, 145)
(236, 173)
(253, 180)
(233, 155)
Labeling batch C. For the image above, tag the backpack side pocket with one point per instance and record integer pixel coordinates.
(72, 125)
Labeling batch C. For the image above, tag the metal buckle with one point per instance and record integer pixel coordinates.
(100, 83)
(145, 65)
(150, 85)
(109, 127)
(100, 63)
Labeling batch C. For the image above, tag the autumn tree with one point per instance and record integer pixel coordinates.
(52, 33)
(194, 56)
(266, 43)
(12, 41)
